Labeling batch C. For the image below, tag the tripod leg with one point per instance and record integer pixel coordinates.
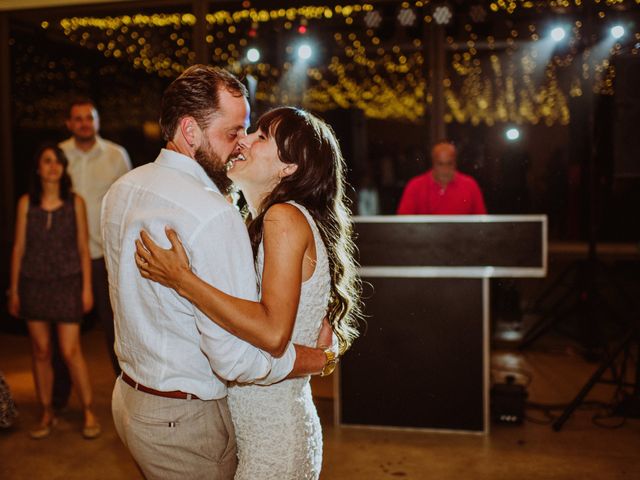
(546, 322)
(595, 378)
(554, 285)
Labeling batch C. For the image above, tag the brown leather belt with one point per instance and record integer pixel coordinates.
(175, 394)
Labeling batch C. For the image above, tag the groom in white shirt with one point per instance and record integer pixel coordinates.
(169, 405)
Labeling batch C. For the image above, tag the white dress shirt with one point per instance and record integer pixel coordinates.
(92, 173)
(162, 340)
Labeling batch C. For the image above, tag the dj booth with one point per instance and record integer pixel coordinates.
(422, 360)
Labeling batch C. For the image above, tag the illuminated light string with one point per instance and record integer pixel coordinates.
(46, 87)
(474, 101)
(382, 80)
(501, 88)
(221, 17)
(511, 6)
(345, 84)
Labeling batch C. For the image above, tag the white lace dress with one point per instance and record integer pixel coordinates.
(277, 426)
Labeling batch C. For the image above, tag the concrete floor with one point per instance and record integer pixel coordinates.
(531, 451)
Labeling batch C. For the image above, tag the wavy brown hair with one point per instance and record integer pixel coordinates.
(319, 185)
(35, 183)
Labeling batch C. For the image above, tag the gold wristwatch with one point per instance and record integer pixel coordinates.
(330, 363)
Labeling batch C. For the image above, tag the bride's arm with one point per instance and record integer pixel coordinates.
(267, 324)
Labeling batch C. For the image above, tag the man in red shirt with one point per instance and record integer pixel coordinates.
(442, 190)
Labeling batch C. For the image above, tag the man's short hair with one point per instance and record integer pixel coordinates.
(80, 101)
(196, 93)
(444, 144)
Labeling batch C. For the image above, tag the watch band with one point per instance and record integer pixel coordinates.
(331, 360)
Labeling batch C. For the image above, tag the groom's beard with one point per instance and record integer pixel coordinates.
(213, 165)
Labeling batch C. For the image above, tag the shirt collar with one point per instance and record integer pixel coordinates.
(433, 179)
(98, 147)
(178, 161)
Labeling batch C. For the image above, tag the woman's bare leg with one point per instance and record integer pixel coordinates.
(40, 335)
(69, 337)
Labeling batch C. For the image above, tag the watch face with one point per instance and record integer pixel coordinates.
(329, 368)
(330, 364)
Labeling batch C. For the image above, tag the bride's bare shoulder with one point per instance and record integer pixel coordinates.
(286, 217)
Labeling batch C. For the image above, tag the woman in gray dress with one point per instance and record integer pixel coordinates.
(51, 280)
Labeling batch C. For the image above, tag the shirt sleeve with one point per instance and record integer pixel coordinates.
(221, 256)
(407, 204)
(478, 200)
(125, 165)
(375, 204)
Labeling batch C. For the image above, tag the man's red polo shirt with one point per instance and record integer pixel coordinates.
(424, 196)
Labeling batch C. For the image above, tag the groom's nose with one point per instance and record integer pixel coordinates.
(247, 140)
(240, 136)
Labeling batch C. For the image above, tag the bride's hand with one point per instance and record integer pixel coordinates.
(167, 267)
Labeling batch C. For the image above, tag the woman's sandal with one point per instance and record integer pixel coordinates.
(94, 431)
(43, 431)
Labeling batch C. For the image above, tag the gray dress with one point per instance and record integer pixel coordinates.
(50, 285)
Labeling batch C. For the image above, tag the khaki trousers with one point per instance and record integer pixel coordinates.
(173, 438)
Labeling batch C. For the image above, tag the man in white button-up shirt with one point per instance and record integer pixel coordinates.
(169, 406)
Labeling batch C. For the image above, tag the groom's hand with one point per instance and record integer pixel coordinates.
(309, 361)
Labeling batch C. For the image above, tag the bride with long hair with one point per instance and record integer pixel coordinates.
(292, 174)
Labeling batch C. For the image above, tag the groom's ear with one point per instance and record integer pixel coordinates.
(190, 131)
(289, 169)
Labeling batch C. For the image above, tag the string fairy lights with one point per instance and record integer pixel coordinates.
(382, 70)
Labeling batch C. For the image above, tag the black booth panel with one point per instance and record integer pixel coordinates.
(420, 362)
(626, 141)
(451, 244)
